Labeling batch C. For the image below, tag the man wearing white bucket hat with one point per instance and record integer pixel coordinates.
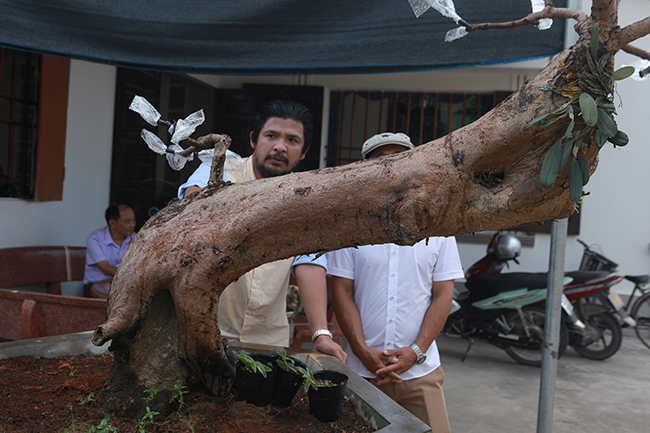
(391, 302)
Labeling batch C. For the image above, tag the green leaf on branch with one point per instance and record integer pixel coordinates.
(601, 139)
(606, 124)
(566, 152)
(575, 181)
(547, 122)
(594, 42)
(552, 164)
(620, 139)
(539, 119)
(569, 129)
(589, 109)
(623, 73)
(585, 169)
(607, 108)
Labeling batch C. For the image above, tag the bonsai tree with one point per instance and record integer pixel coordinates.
(162, 311)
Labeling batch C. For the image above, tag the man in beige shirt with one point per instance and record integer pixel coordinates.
(253, 308)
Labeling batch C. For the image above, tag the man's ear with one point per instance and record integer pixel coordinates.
(304, 153)
(112, 223)
(251, 140)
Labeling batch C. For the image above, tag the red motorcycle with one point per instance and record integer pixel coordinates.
(600, 308)
(598, 334)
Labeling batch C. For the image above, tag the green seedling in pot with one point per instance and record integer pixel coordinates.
(312, 382)
(286, 363)
(254, 366)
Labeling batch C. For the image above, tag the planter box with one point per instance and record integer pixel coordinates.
(375, 407)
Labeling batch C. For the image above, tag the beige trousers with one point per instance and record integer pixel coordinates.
(422, 397)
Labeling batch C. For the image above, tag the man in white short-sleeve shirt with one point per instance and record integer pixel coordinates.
(391, 302)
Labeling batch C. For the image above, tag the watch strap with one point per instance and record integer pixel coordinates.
(420, 357)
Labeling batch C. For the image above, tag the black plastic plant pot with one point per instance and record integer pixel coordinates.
(287, 384)
(253, 387)
(326, 402)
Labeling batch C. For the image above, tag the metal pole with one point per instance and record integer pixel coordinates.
(552, 328)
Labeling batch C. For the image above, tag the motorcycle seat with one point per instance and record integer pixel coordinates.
(483, 286)
(638, 279)
(580, 277)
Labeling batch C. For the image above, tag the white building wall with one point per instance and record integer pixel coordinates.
(89, 141)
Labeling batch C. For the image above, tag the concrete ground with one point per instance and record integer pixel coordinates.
(490, 392)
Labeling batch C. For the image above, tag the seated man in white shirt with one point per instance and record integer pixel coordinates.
(391, 303)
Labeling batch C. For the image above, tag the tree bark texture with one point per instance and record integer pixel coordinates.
(162, 311)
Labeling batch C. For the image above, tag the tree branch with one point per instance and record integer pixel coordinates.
(635, 51)
(631, 33)
(605, 11)
(548, 12)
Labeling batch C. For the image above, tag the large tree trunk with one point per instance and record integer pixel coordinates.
(162, 314)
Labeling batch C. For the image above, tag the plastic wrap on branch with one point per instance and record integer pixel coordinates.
(456, 33)
(186, 127)
(153, 142)
(445, 7)
(544, 23)
(640, 66)
(176, 161)
(234, 162)
(145, 109)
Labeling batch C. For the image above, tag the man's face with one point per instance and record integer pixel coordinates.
(126, 224)
(386, 150)
(279, 147)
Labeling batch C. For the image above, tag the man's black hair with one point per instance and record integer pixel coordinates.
(113, 212)
(285, 110)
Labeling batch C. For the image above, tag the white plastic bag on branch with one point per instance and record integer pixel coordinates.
(234, 162)
(145, 110)
(447, 9)
(153, 142)
(545, 23)
(186, 127)
(176, 161)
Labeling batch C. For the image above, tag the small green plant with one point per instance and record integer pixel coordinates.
(286, 363)
(179, 392)
(147, 418)
(71, 429)
(103, 426)
(312, 382)
(89, 399)
(71, 373)
(255, 366)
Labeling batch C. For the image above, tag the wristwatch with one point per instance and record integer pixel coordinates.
(421, 357)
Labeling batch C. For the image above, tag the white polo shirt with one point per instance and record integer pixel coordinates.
(392, 290)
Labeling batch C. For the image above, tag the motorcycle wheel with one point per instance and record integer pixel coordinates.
(641, 314)
(535, 316)
(611, 337)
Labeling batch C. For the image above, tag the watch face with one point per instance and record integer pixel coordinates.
(421, 359)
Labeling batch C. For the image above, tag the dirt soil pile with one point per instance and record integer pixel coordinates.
(59, 395)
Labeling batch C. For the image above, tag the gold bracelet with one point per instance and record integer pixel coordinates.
(320, 332)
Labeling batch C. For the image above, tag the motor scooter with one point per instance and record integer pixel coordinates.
(597, 306)
(504, 309)
(599, 334)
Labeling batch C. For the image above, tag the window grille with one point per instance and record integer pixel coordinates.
(357, 115)
(19, 94)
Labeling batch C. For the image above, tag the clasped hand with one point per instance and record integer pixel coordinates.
(389, 364)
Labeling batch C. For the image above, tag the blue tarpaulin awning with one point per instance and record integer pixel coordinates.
(272, 36)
